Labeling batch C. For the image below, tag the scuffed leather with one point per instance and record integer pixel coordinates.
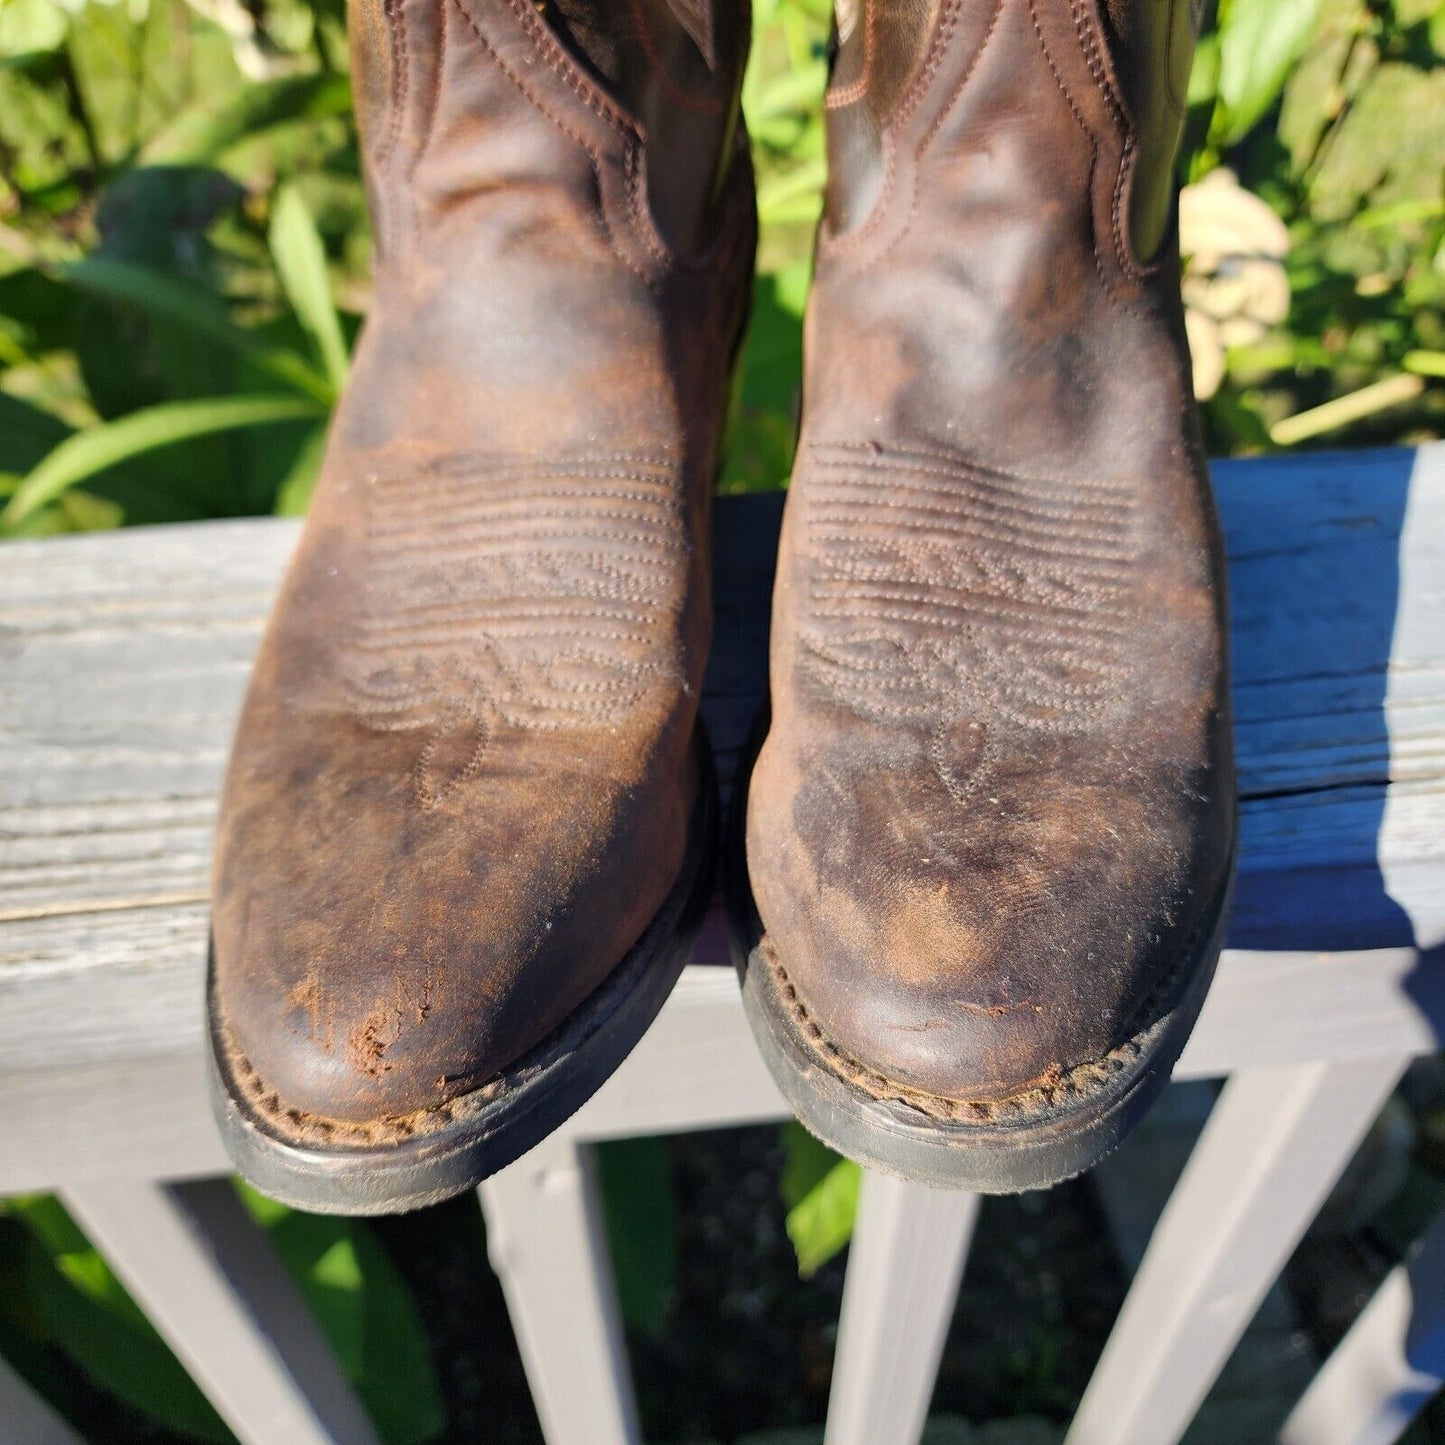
(463, 774)
(996, 802)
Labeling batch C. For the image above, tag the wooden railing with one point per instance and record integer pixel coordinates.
(122, 660)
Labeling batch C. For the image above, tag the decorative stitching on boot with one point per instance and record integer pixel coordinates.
(1018, 590)
(546, 630)
(590, 150)
(858, 88)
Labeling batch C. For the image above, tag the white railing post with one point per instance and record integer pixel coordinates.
(548, 1246)
(904, 1264)
(25, 1419)
(210, 1282)
(1390, 1364)
(1276, 1141)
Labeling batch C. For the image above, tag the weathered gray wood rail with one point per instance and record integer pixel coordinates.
(122, 660)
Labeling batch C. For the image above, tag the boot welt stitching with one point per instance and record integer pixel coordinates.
(1075, 1082)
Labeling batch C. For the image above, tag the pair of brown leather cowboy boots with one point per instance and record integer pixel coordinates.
(468, 830)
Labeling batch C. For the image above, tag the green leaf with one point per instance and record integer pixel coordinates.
(27, 433)
(293, 496)
(202, 133)
(301, 262)
(366, 1312)
(821, 1191)
(187, 304)
(86, 1313)
(87, 452)
(31, 27)
(1259, 41)
(397, 1382)
(639, 1208)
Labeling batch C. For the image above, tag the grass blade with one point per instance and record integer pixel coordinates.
(97, 448)
(186, 304)
(301, 263)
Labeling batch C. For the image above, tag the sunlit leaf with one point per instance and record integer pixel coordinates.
(301, 262)
(821, 1191)
(88, 452)
(1259, 41)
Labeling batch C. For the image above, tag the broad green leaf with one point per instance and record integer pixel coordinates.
(187, 304)
(86, 1313)
(293, 496)
(1259, 41)
(204, 131)
(821, 1192)
(88, 452)
(30, 27)
(639, 1208)
(397, 1382)
(301, 262)
(366, 1312)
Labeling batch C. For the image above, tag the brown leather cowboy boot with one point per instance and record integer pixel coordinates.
(466, 833)
(991, 831)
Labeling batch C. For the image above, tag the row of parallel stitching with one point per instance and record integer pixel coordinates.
(429, 119)
(400, 77)
(913, 97)
(626, 127)
(1087, 29)
(736, 226)
(844, 95)
(399, 81)
(1105, 279)
(557, 61)
(592, 96)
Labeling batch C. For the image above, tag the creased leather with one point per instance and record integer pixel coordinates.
(463, 774)
(996, 800)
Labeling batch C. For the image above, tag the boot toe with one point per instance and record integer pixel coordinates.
(382, 959)
(971, 952)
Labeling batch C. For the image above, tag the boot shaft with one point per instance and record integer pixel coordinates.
(454, 97)
(884, 46)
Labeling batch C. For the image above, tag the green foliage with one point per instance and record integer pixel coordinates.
(183, 263)
(180, 215)
(1333, 111)
(1258, 42)
(66, 1294)
(820, 1190)
(62, 1296)
(300, 258)
(638, 1205)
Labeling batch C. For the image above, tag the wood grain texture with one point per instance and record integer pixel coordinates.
(123, 657)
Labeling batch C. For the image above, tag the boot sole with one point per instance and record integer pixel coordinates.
(476, 1134)
(1012, 1147)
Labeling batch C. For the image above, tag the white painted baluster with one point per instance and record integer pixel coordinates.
(208, 1279)
(25, 1419)
(904, 1265)
(1385, 1371)
(548, 1246)
(1276, 1141)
